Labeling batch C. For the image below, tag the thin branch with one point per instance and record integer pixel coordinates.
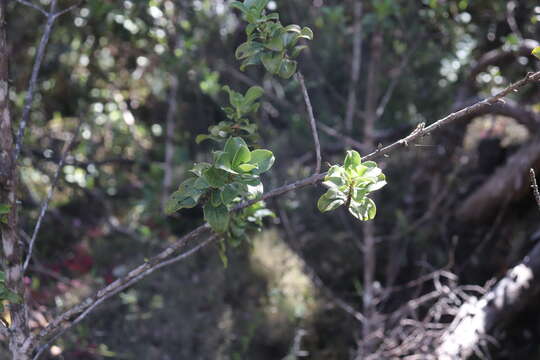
(390, 90)
(312, 122)
(45, 204)
(169, 138)
(143, 270)
(83, 315)
(52, 15)
(33, 6)
(356, 62)
(534, 187)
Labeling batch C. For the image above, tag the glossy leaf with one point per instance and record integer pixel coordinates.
(331, 200)
(217, 217)
(263, 159)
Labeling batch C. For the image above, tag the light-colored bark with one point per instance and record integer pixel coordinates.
(478, 317)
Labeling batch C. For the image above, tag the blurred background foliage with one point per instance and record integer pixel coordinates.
(111, 65)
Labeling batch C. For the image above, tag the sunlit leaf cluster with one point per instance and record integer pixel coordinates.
(269, 42)
(234, 176)
(350, 185)
(237, 125)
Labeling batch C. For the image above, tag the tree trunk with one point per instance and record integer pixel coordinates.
(11, 252)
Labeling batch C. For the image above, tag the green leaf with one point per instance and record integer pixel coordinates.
(248, 49)
(215, 177)
(263, 159)
(536, 52)
(215, 198)
(4, 209)
(243, 155)
(198, 169)
(352, 160)
(275, 44)
(228, 194)
(246, 167)
(364, 210)
(238, 5)
(288, 68)
(331, 200)
(232, 145)
(217, 217)
(307, 33)
(297, 50)
(223, 161)
(253, 93)
(293, 28)
(272, 62)
(185, 197)
(335, 177)
(202, 137)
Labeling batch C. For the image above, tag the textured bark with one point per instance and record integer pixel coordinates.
(11, 252)
(477, 318)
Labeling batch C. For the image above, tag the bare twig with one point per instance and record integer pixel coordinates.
(50, 192)
(52, 15)
(356, 62)
(86, 306)
(33, 6)
(312, 122)
(169, 138)
(534, 186)
(83, 315)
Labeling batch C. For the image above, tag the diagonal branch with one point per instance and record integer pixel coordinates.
(45, 204)
(355, 66)
(52, 15)
(534, 186)
(83, 315)
(156, 262)
(312, 122)
(86, 306)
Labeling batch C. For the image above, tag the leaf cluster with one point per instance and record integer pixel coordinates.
(233, 176)
(237, 125)
(350, 185)
(269, 42)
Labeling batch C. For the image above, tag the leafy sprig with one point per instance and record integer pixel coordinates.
(350, 185)
(234, 176)
(269, 42)
(238, 124)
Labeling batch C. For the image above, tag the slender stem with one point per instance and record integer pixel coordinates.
(534, 186)
(45, 204)
(312, 122)
(356, 63)
(83, 315)
(52, 15)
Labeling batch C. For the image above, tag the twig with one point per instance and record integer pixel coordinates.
(535, 187)
(356, 63)
(45, 204)
(169, 139)
(312, 121)
(141, 271)
(33, 6)
(83, 315)
(52, 15)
